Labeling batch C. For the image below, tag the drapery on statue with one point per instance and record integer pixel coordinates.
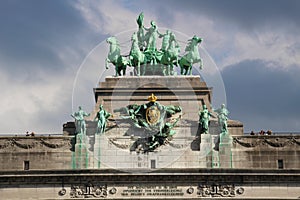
(80, 124)
(151, 36)
(204, 116)
(114, 56)
(101, 116)
(165, 40)
(222, 118)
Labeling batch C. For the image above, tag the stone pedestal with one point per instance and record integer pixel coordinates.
(206, 149)
(81, 155)
(97, 151)
(189, 92)
(225, 156)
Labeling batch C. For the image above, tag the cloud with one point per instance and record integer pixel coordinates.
(34, 105)
(44, 43)
(263, 97)
(42, 46)
(107, 17)
(247, 15)
(274, 47)
(236, 30)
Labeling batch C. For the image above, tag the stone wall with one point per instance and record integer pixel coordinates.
(245, 152)
(35, 152)
(266, 152)
(159, 184)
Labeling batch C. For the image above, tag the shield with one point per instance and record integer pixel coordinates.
(152, 115)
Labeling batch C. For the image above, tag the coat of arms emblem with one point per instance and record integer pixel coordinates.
(152, 115)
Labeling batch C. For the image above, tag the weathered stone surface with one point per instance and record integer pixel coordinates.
(159, 184)
(188, 166)
(42, 152)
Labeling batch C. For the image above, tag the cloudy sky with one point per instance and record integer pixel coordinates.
(255, 45)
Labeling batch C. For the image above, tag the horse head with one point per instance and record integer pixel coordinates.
(112, 40)
(196, 39)
(134, 37)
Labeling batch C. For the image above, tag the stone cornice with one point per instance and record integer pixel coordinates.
(31, 142)
(272, 141)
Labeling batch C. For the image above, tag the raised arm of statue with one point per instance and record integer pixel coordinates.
(80, 121)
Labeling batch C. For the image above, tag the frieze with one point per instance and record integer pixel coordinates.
(5, 144)
(178, 146)
(31, 143)
(55, 145)
(87, 191)
(219, 191)
(119, 145)
(127, 146)
(90, 190)
(273, 142)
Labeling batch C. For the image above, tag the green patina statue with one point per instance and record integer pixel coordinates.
(222, 118)
(171, 50)
(191, 56)
(204, 116)
(115, 57)
(80, 124)
(137, 57)
(162, 137)
(151, 36)
(147, 59)
(153, 119)
(165, 40)
(140, 33)
(101, 116)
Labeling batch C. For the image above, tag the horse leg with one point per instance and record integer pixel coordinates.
(171, 70)
(119, 71)
(106, 63)
(168, 70)
(138, 68)
(169, 66)
(190, 70)
(181, 65)
(145, 65)
(116, 70)
(181, 70)
(124, 70)
(164, 69)
(186, 70)
(191, 67)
